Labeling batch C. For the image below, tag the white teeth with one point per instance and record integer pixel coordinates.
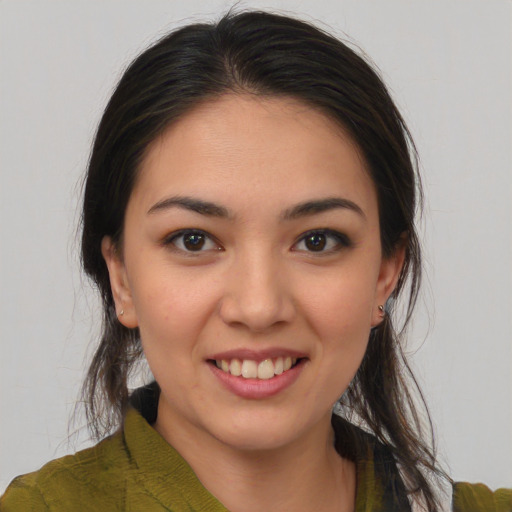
(279, 366)
(235, 368)
(266, 369)
(249, 369)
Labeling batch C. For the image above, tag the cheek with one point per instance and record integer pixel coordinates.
(171, 309)
(340, 302)
(344, 330)
(171, 318)
(340, 313)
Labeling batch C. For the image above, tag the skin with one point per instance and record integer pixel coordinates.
(255, 285)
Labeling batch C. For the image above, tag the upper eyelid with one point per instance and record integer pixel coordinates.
(180, 232)
(325, 231)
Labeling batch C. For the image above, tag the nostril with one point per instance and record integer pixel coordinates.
(255, 313)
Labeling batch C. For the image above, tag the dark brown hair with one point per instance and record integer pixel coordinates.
(269, 55)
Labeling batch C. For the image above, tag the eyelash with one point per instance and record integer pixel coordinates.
(173, 237)
(341, 241)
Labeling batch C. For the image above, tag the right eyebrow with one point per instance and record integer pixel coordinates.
(188, 203)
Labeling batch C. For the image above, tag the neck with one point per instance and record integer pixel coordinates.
(307, 474)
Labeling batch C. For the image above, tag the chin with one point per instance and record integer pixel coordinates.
(253, 440)
(260, 431)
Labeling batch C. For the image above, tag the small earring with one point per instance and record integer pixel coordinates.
(121, 313)
(381, 309)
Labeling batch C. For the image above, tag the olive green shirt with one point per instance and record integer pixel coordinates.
(137, 470)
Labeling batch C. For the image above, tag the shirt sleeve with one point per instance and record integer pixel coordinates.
(479, 498)
(22, 496)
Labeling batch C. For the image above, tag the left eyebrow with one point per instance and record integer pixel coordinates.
(320, 206)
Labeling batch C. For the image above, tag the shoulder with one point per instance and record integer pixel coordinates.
(80, 478)
(479, 498)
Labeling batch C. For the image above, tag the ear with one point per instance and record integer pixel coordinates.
(389, 273)
(119, 284)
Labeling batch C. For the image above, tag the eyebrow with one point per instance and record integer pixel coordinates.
(320, 206)
(298, 211)
(189, 203)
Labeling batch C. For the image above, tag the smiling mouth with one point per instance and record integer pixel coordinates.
(250, 369)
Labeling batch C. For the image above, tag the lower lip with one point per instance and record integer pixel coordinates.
(258, 388)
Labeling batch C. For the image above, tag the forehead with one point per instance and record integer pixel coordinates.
(263, 148)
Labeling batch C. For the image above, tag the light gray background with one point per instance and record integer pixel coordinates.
(448, 65)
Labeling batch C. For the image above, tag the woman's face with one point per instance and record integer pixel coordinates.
(251, 242)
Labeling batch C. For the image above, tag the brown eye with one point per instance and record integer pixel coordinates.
(194, 241)
(190, 241)
(315, 242)
(323, 241)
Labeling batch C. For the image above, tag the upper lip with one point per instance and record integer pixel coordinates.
(257, 355)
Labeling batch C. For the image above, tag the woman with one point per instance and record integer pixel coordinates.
(249, 221)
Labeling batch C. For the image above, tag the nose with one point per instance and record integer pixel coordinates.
(256, 293)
